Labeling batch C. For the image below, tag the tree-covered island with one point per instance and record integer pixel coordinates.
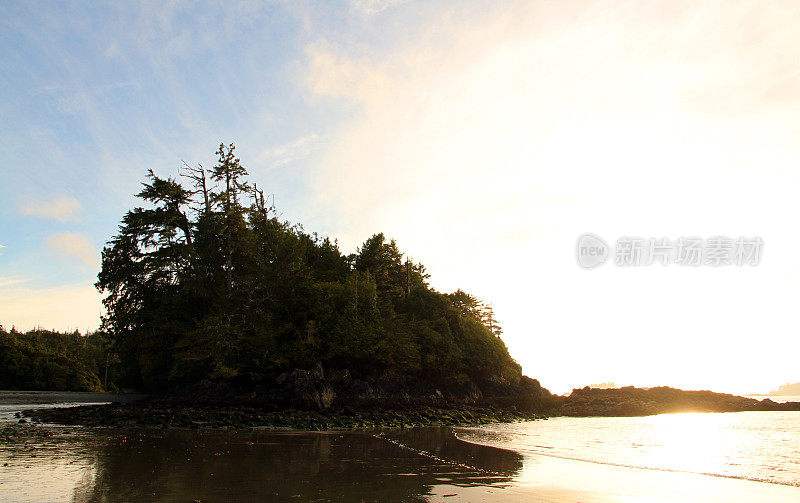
(203, 283)
(229, 316)
(211, 298)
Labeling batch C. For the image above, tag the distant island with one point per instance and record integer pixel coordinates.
(229, 316)
(630, 401)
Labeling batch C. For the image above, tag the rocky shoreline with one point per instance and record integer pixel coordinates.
(152, 414)
(306, 403)
(316, 400)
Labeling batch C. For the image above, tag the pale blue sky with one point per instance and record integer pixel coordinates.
(485, 136)
(95, 94)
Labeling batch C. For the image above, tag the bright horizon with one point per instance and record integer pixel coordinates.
(484, 138)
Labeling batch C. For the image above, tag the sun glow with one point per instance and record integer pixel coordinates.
(490, 147)
(694, 441)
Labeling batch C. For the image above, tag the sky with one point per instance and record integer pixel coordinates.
(484, 136)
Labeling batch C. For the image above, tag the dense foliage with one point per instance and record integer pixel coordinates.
(47, 360)
(204, 282)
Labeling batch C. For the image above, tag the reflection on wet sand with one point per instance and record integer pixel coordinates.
(184, 466)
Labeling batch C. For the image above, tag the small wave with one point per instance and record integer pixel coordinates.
(624, 465)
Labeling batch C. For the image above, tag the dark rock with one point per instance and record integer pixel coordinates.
(307, 389)
(339, 377)
(361, 391)
(467, 390)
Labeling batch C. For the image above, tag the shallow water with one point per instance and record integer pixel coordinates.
(629, 460)
(43, 464)
(12, 402)
(762, 446)
(91, 465)
(49, 463)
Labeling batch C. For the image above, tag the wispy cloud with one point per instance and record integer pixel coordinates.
(333, 74)
(61, 208)
(74, 246)
(374, 6)
(288, 152)
(6, 281)
(484, 136)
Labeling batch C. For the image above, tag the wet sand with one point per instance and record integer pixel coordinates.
(39, 464)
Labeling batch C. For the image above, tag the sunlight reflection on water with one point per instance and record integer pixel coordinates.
(761, 446)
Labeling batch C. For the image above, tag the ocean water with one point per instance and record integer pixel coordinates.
(658, 459)
(759, 446)
(84, 465)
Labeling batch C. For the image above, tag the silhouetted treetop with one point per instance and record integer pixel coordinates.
(203, 281)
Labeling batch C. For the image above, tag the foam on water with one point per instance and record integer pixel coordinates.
(759, 446)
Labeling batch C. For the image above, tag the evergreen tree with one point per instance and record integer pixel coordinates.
(205, 282)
